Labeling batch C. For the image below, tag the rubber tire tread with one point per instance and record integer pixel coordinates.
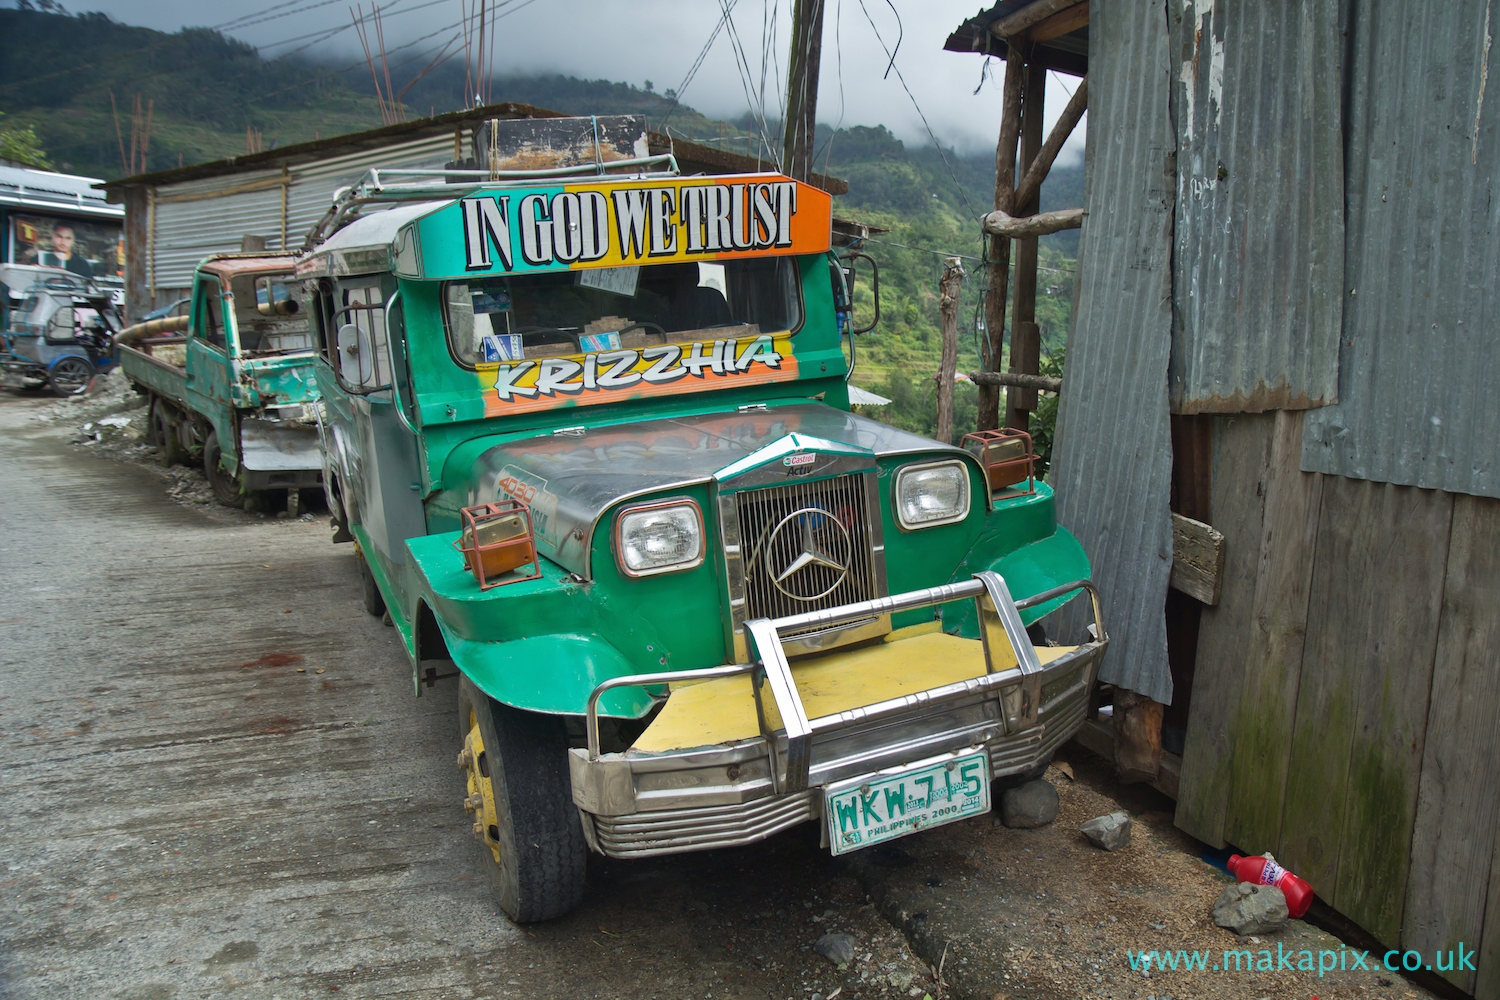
(540, 831)
(214, 473)
(374, 599)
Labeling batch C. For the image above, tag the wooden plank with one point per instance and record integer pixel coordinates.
(1197, 559)
(1241, 453)
(1064, 22)
(1487, 986)
(1361, 713)
(1278, 630)
(1033, 13)
(1453, 844)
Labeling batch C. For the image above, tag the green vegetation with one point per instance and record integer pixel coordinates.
(22, 145)
(204, 91)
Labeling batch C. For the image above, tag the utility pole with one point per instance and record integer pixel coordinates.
(802, 89)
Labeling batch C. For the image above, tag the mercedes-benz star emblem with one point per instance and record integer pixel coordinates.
(812, 549)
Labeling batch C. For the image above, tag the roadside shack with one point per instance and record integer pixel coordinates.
(1277, 401)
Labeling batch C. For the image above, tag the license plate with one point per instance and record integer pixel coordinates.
(880, 807)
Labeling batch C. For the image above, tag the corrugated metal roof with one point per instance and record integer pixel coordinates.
(204, 222)
(1259, 256)
(1417, 404)
(44, 189)
(1113, 463)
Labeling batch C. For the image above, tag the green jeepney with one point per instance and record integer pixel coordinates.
(589, 430)
(231, 381)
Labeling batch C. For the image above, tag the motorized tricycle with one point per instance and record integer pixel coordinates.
(588, 428)
(60, 330)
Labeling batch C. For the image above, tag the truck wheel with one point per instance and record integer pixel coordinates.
(226, 487)
(521, 798)
(374, 601)
(164, 434)
(70, 377)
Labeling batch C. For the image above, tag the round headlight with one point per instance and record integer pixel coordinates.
(659, 538)
(932, 494)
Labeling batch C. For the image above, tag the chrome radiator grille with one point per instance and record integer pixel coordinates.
(807, 546)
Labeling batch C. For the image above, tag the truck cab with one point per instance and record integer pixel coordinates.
(589, 433)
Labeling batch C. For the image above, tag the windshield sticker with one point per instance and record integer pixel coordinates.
(607, 341)
(612, 227)
(503, 347)
(617, 375)
(619, 280)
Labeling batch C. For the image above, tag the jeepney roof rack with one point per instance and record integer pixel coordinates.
(444, 184)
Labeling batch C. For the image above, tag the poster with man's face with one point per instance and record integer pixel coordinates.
(88, 247)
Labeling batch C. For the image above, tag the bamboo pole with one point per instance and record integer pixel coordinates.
(1000, 223)
(948, 288)
(999, 245)
(1031, 184)
(1025, 335)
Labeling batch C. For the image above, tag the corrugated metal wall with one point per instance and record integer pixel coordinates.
(1113, 463)
(1420, 353)
(201, 223)
(1260, 205)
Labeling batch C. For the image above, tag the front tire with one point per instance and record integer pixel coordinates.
(70, 377)
(374, 600)
(225, 486)
(522, 800)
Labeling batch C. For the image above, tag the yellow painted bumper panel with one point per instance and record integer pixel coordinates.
(714, 712)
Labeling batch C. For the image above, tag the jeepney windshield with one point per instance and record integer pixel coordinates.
(270, 314)
(522, 316)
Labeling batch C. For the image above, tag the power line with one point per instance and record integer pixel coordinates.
(693, 70)
(930, 134)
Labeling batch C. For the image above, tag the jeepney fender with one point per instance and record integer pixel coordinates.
(1031, 569)
(525, 673)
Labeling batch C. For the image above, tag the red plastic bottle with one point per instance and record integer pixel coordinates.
(1299, 895)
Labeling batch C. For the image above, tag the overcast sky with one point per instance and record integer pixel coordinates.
(633, 41)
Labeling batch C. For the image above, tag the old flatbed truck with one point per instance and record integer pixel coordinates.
(231, 383)
(589, 431)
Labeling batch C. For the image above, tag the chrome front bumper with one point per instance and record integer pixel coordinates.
(636, 804)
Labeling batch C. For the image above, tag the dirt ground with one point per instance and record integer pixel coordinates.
(216, 783)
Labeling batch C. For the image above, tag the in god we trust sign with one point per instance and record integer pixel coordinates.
(621, 223)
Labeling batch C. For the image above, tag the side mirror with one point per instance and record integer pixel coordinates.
(273, 299)
(850, 270)
(356, 358)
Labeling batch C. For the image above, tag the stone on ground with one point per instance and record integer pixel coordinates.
(1110, 832)
(1248, 908)
(1029, 806)
(837, 948)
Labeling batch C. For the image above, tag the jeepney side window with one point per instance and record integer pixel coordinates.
(363, 358)
(320, 294)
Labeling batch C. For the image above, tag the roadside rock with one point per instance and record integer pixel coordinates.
(837, 948)
(1251, 909)
(1029, 806)
(1110, 832)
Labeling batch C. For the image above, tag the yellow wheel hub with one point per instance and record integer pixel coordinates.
(480, 802)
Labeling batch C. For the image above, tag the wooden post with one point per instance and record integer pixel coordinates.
(802, 89)
(948, 288)
(999, 246)
(1025, 335)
